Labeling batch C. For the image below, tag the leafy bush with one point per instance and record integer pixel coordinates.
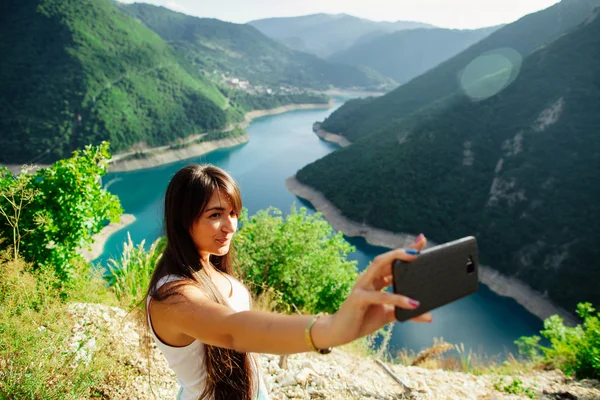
(130, 275)
(298, 255)
(50, 215)
(575, 350)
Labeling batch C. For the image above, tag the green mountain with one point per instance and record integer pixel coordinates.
(523, 36)
(519, 170)
(79, 72)
(406, 54)
(245, 52)
(326, 34)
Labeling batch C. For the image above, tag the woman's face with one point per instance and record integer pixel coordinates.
(213, 230)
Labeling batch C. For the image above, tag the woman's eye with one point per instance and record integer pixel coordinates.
(233, 214)
(215, 215)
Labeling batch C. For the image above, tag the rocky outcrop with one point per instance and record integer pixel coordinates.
(339, 375)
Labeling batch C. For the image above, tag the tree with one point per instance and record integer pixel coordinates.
(298, 255)
(68, 207)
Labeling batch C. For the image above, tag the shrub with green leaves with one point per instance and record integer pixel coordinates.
(47, 216)
(298, 255)
(575, 350)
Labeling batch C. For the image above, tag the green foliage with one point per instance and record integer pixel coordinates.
(488, 168)
(575, 350)
(247, 102)
(400, 54)
(297, 255)
(130, 275)
(525, 36)
(514, 387)
(65, 59)
(68, 208)
(529, 347)
(233, 133)
(350, 112)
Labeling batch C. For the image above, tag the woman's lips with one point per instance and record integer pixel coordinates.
(223, 241)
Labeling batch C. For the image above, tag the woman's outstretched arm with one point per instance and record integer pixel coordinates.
(365, 310)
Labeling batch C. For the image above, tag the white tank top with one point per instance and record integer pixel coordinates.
(187, 361)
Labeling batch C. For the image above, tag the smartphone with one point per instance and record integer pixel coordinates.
(438, 276)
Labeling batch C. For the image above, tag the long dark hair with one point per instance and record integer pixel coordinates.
(230, 374)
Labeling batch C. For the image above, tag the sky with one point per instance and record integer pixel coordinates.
(458, 14)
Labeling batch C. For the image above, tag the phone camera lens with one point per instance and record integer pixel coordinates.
(470, 266)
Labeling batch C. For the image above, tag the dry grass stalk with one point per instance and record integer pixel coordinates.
(434, 352)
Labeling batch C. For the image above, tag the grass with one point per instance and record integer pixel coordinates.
(40, 356)
(129, 276)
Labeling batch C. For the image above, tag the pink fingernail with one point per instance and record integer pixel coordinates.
(419, 238)
(431, 320)
(414, 303)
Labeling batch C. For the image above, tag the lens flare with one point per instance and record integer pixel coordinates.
(490, 73)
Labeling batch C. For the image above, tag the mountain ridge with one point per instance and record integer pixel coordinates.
(401, 55)
(324, 34)
(524, 35)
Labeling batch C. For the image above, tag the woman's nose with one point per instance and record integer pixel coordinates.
(229, 225)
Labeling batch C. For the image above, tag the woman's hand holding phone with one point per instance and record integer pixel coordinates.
(368, 308)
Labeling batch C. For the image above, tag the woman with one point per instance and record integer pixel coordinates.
(199, 314)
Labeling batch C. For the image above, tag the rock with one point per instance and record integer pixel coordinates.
(302, 376)
(308, 364)
(337, 376)
(288, 380)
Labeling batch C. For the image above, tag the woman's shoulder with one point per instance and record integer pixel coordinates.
(241, 295)
(167, 279)
(174, 288)
(238, 283)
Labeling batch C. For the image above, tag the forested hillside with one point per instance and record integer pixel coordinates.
(74, 73)
(524, 36)
(245, 52)
(518, 170)
(79, 72)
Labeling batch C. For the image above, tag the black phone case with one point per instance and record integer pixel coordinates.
(438, 276)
